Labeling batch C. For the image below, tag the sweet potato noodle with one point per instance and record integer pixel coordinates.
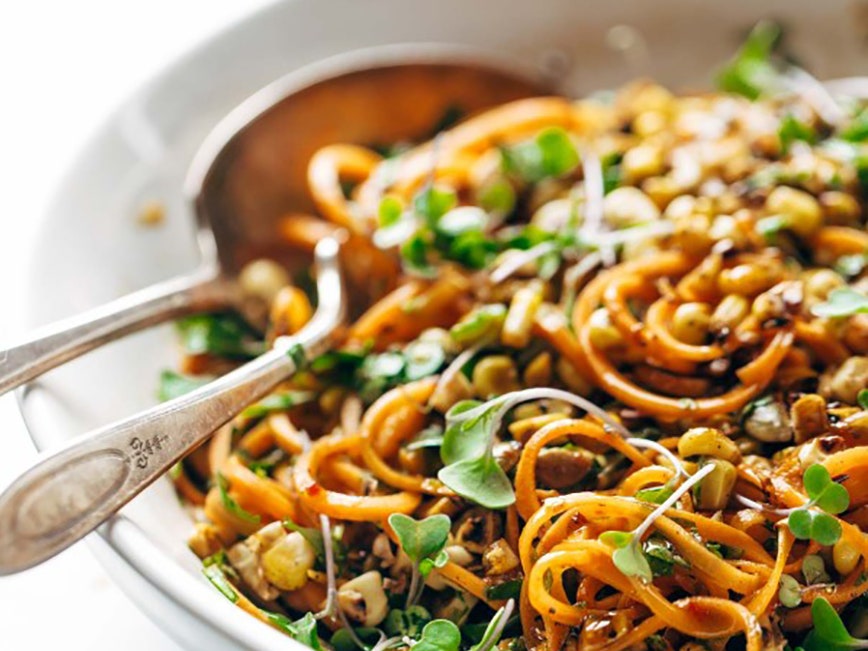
(632, 289)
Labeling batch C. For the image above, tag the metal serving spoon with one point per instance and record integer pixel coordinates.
(251, 171)
(70, 493)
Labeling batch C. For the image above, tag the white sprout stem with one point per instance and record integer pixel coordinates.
(593, 226)
(640, 531)
(759, 506)
(510, 400)
(463, 358)
(502, 618)
(653, 445)
(815, 94)
(655, 228)
(331, 581)
(387, 642)
(517, 259)
(414, 592)
(333, 606)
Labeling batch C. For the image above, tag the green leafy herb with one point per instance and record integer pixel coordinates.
(302, 630)
(494, 630)
(390, 211)
(173, 385)
(807, 523)
(751, 72)
(857, 130)
(661, 557)
(409, 622)
(414, 253)
(814, 569)
(505, 590)
(770, 226)
(550, 154)
(215, 575)
(311, 535)
(225, 335)
(230, 504)
(277, 402)
(829, 633)
(342, 640)
(433, 202)
(790, 592)
(422, 358)
(656, 495)
(628, 555)
(423, 540)
(862, 398)
(481, 323)
(471, 469)
(792, 129)
(842, 302)
(439, 635)
(430, 437)
(497, 197)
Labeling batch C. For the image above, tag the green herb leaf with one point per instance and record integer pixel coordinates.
(390, 211)
(218, 579)
(483, 322)
(851, 265)
(342, 640)
(814, 569)
(550, 154)
(842, 302)
(422, 359)
(173, 385)
(490, 637)
(427, 565)
(230, 504)
(225, 335)
(277, 402)
(302, 630)
(857, 130)
(628, 557)
(465, 438)
(414, 253)
(661, 557)
(506, 590)
(311, 535)
(751, 72)
(421, 539)
(829, 633)
(497, 197)
(790, 592)
(862, 398)
(409, 622)
(430, 437)
(433, 202)
(439, 635)
(792, 129)
(811, 525)
(830, 496)
(656, 495)
(480, 480)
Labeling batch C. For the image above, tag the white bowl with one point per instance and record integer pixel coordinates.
(98, 251)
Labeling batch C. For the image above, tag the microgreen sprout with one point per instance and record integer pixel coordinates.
(830, 497)
(841, 303)
(829, 633)
(495, 628)
(628, 556)
(423, 541)
(471, 469)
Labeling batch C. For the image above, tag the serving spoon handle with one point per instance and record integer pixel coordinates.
(70, 493)
(67, 339)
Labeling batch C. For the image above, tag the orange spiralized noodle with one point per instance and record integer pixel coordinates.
(587, 351)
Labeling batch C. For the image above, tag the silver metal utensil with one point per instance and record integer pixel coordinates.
(251, 171)
(68, 494)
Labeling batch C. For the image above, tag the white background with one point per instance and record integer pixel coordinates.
(64, 66)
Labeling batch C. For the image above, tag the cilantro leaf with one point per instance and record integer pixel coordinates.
(277, 402)
(301, 630)
(230, 504)
(225, 335)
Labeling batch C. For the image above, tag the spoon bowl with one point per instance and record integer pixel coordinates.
(251, 171)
